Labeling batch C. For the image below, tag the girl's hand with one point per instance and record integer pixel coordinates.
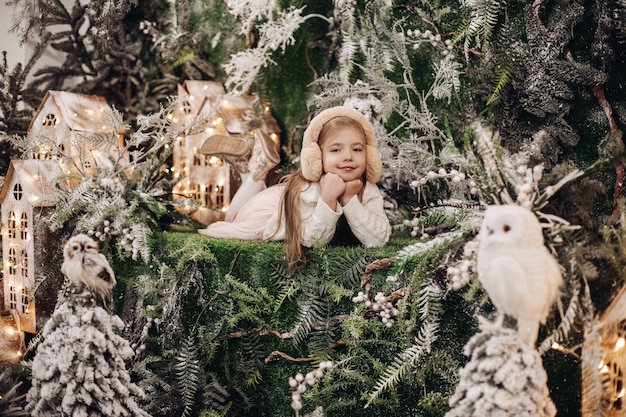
(332, 188)
(352, 188)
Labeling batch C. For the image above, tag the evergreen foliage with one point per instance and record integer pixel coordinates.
(10, 396)
(492, 102)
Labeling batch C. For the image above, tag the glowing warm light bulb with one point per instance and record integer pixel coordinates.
(619, 344)
(556, 346)
(603, 368)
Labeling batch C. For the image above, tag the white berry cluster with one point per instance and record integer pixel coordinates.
(413, 224)
(107, 229)
(103, 232)
(417, 38)
(383, 308)
(461, 273)
(453, 175)
(149, 28)
(299, 384)
(112, 184)
(528, 185)
(140, 346)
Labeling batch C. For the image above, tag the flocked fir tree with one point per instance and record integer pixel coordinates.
(79, 368)
(504, 377)
(422, 73)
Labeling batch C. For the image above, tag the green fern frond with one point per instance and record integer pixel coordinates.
(429, 303)
(286, 291)
(187, 371)
(503, 79)
(405, 361)
(313, 310)
(216, 397)
(253, 378)
(351, 267)
(252, 345)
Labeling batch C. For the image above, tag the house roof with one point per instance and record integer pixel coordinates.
(38, 178)
(80, 112)
(202, 92)
(198, 88)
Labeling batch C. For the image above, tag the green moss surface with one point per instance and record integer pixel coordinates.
(251, 327)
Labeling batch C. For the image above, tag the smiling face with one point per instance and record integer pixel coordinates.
(344, 152)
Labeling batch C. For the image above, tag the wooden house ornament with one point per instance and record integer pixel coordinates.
(211, 180)
(604, 363)
(25, 198)
(78, 129)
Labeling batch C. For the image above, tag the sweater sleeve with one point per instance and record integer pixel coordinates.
(368, 219)
(319, 222)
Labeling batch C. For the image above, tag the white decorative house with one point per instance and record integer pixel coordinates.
(79, 130)
(209, 179)
(26, 197)
(71, 134)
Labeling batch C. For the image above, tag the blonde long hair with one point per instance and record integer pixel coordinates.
(295, 183)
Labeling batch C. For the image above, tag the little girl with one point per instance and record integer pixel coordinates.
(332, 197)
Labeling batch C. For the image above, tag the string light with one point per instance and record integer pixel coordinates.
(619, 344)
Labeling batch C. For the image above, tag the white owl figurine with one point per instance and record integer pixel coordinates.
(518, 272)
(84, 264)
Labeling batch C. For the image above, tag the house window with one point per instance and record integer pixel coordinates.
(12, 297)
(195, 192)
(24, 264)
(207, 196)
(17, 191)
(219, 196)
(25, 301)
(185, 107)
(50, 120)
(12, 227)
(24, 226)
(12, 261)
(196, 160)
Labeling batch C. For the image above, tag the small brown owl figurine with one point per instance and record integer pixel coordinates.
(84, 264)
